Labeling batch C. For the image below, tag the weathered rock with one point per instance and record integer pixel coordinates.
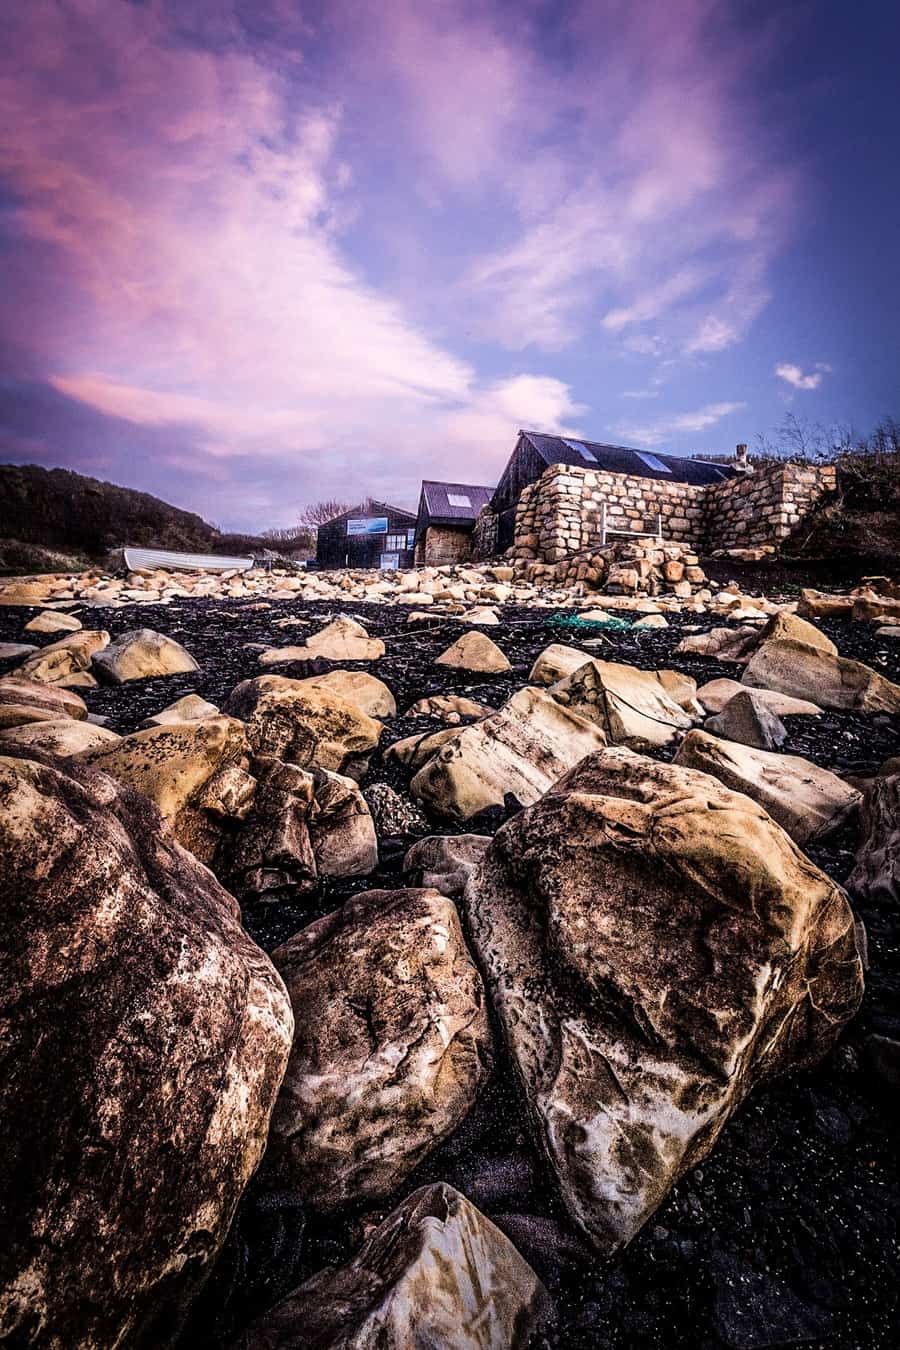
(14, 651)
(367, 693)
(820, 605)
(414, 751)
(831, 681)
(24, 700)
(476, 652)
(521, 749)
(630, 705)
(785, 626)
(650, 621)
(748, 719)
(393, 813)
(391, 1047)
(341, 828)
(272, 856)
(342, 640)
(448, 707)
(434, 1274)
(445, 862)
(69, 656)
(725, 644)
(654, 946)
(173, 766)
(24, 592)
(310, 726)
(57, 736)
(53, 621)
(481, 614)
(191, 708)
(717, 693)
(876, 874)
(145, 1039)
(809, 802)
(556, 662)
(141, 654)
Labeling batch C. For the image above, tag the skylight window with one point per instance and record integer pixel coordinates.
(459, 499)
(581, 449)
(652, 461)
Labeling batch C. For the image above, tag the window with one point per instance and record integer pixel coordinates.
(410, 538)
(459, 499)
(652, 462)
(394, 543)
(580, 448)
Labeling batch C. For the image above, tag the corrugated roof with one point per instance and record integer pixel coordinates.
(624, 459)
(441, 509)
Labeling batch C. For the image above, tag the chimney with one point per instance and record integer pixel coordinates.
(740, 459)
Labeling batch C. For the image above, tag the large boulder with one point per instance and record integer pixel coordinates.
(876, 874)
(367, 693)
(654, 946)
(58, 736)
(831, 681)
(391, 1047)
(434, 1275)
(310, 726)
(555, 662)
(785, 626)
(341, 828)
(748, 719)
(521, 749)
(342, 640)
(446, 861)
(177, 766)
(630, 705)
(65, 659)
(24, 700)
(53, 621)
(476, 652)
(142, 654)
(145, 1038)
(714, 695)
(809, 802)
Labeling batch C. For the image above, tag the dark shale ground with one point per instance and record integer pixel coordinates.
(786, 1235)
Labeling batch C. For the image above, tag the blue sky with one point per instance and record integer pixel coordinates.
(255, 255)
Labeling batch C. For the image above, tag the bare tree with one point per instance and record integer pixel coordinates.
(319, 513)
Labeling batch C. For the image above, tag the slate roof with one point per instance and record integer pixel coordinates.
(435, 508)
(623, 459)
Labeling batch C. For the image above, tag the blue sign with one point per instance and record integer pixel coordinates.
(367, 525)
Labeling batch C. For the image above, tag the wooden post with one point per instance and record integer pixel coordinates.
(602, 524)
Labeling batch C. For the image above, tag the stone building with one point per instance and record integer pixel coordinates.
(446, 520)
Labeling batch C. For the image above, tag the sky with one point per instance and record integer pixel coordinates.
(256, 253)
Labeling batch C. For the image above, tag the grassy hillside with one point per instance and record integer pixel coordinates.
(57, 520)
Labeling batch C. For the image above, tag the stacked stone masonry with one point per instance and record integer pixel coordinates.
(563, 513)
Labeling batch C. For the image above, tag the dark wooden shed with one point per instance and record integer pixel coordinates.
(373, 534)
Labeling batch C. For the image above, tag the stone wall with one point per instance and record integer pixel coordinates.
(561, 515)
(444, 545)
(765, 506)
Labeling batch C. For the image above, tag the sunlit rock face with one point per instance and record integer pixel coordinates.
(435, 1273)
(654, 945)
(391, 1048)
(312, 727)
(145, 1038)
(143, 653)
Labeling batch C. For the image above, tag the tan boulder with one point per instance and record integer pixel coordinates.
(191, 708)
(68, 656)
(145, 1037)
(173, 766)
(630, 705)
(142, 654)
(520, 749)
(785, 626)
(25, 592)
(556, 662)
(342, 640)
(23, 700)
(809, 802)
(310, 726)
(831, 681)
(714, 695)
(448, 707)
(391, 1048)
(724, 644)
(367, 693)
(476, 652)
(654, 946)
(53, 621)
(57, 736)
(876, 873)
(446, 861)
(871, 608)
(821, 605)
(414, 751)
(434, 1274)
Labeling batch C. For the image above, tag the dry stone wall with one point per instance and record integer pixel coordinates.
(563, 513)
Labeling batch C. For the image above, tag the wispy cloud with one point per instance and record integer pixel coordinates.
(658, 431)
(797, 378)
